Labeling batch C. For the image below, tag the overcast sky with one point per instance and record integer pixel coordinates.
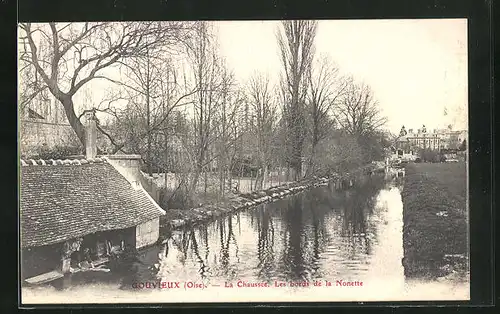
(416, 68)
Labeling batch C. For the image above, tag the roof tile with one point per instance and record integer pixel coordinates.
(63, 202)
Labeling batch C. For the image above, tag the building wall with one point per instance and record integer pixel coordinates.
(452, 139)
(147, 233)
(425, 142)
(128, 166)
(38, 260)
(33, 134)
(151, 187)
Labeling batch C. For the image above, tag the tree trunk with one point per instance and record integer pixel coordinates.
(205, 175)
(258, 180)
(166, 170)
(75, 123)
(148, 118)
(194, 182)
(264, 176)
(221, 179)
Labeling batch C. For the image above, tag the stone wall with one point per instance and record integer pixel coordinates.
(129, 167)
(151, 187)
(147, 233)
(34, 134)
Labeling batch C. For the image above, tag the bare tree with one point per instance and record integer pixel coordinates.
(263, 105)
(358, 113)
(152, 88)
(226, 129)
(209, 76)
(69, 56)
(296, 45)
(326, 87)
(31, 87)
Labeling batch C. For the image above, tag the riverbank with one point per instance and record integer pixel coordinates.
(435, 220)
(180, 218)
(176, 219)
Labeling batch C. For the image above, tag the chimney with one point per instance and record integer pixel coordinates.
(90, 135)
(128, 166)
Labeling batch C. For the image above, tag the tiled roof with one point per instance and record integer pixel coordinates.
(60, 200)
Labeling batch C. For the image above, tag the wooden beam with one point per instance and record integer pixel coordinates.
(46, 277)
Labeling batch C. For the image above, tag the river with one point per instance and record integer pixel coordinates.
(296, 245)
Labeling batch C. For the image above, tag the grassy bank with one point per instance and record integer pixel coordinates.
(435, 220)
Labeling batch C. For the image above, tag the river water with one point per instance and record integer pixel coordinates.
(306, 248)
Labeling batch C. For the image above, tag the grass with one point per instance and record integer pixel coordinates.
(431, 190)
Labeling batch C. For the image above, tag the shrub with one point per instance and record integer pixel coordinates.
(57, 152)
(427, 155)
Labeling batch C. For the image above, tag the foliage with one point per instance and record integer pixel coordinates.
(296, 45)
(339, 153)
(57, 152)
(374, 146)
(428, 155)
(184, 112)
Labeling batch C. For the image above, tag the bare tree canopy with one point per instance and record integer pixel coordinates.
(261, 96)
(358, 112)
(325, 88)
(296, 46)
(68, 56)
(173, 99)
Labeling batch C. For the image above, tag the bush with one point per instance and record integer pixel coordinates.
(57, 152)
(427, 155)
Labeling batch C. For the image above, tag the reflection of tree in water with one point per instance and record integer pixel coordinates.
(317, 205)
(319, 232)
(265, 242)
(303, 235)
(238, 222)
(204, 270)
(224, 250)
(226, 238)
(134, 269)
(293, 257)
(182, 245)
(293, 233)
(359, 204)
(204, 237)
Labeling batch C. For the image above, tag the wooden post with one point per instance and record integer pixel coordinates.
(65, 265)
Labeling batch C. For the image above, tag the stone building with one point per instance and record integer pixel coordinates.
(83, 205)
(44, 125)
(411, 141)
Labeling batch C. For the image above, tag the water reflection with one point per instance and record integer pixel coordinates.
(322, 233)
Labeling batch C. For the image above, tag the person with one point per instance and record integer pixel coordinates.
(86, 260)
(86, 255)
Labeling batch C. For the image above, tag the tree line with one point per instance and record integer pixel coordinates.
(183, 110)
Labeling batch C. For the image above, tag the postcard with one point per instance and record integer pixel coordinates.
(243, 161)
